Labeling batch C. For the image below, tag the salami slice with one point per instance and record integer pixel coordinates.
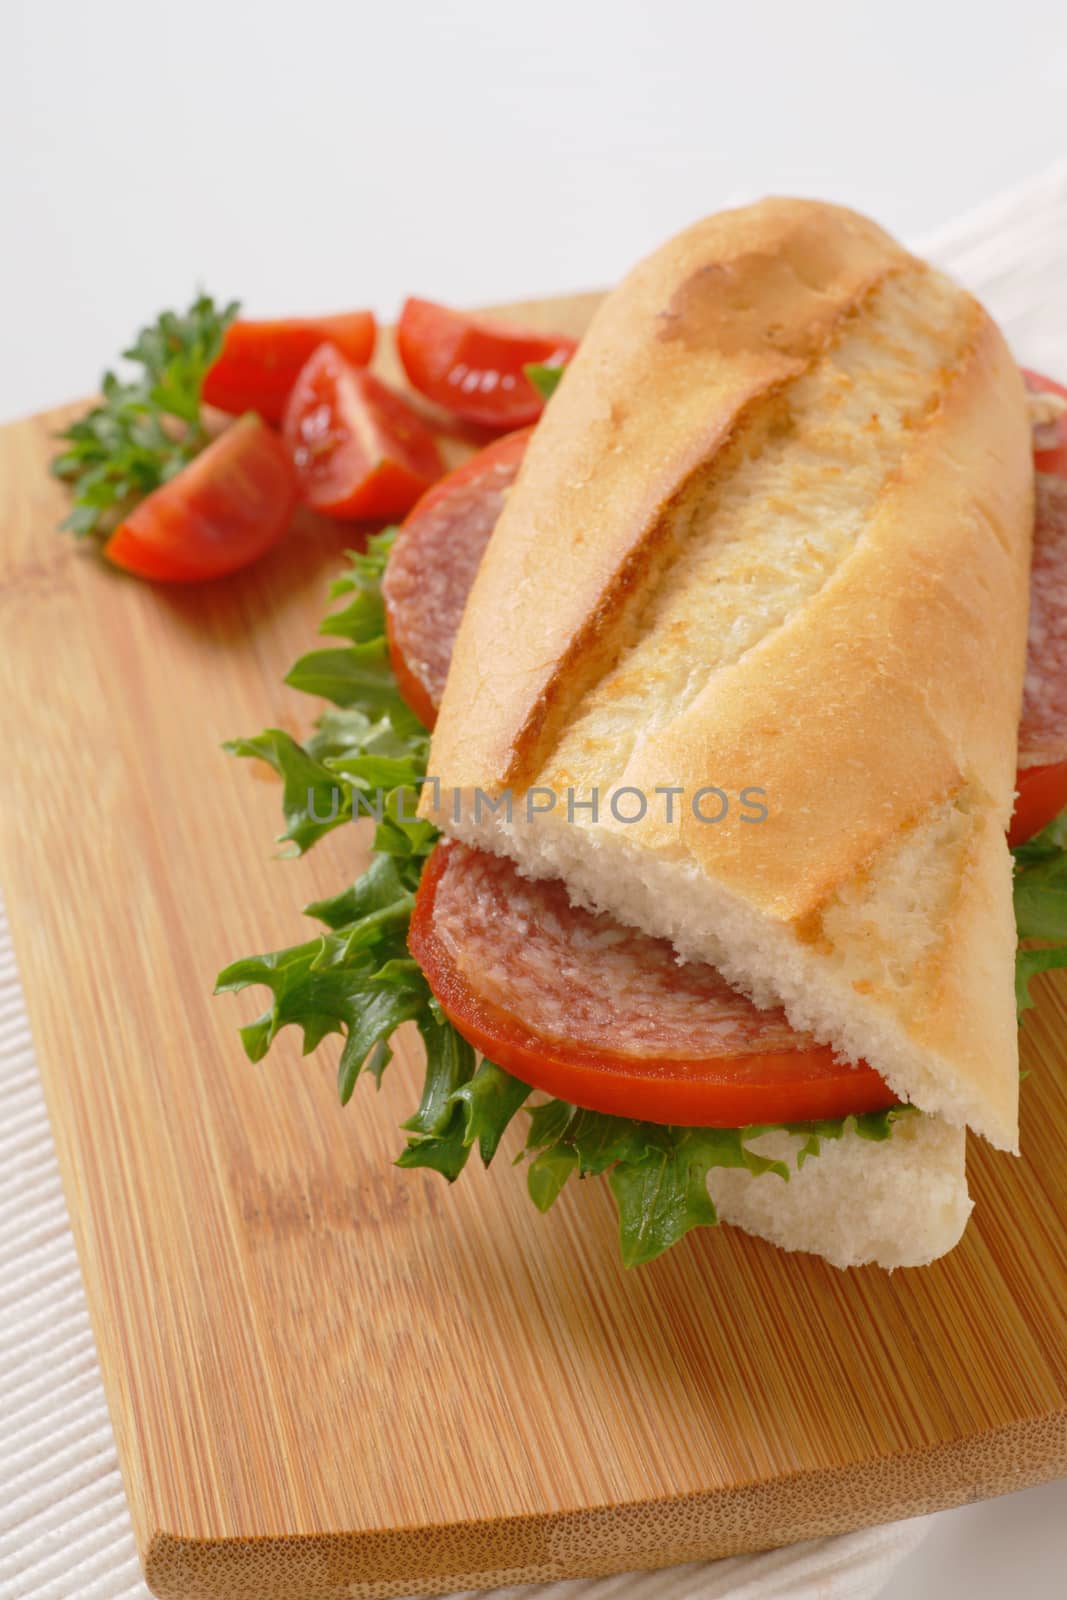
(432, 565)
(1043, 726)
(607, 1017)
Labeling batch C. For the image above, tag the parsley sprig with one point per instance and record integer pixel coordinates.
(145, 429)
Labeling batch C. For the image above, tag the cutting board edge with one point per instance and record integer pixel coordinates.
(593, 1543)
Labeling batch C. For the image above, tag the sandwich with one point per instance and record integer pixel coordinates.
(724, 662)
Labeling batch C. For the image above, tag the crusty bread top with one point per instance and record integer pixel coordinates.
(712, 323)
(773, 532)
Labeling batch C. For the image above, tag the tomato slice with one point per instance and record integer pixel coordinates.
(1055, 459)
(505, 452)
(432, 566)
(220, 513)
(1042, 790)
(474, 366)
(359, 448)
(1042, 795)
(540, 987)
(260, 361)
(413, 690)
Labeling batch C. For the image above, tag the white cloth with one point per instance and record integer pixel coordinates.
(64, 1526)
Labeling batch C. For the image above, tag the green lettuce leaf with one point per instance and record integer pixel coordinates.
(874, 1125)
(1040, 896)
(545, 379)
(358, 981)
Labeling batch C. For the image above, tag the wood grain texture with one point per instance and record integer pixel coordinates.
(331, 1378)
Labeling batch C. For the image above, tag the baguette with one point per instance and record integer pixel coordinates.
(914, 1207)
(773, 533)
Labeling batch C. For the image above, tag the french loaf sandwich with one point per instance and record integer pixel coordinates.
(773, 533)
(724, 662)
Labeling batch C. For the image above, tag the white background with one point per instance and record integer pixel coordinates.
(318, 156)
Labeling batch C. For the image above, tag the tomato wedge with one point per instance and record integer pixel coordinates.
(1042, 795)
(604, 1016)
(359, 448)
(1054, 459)
(220, 513)
(260, 361)
(432, 566)
(473, 365)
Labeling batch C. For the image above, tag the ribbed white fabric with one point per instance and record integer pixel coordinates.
(1012, 253)
(64, 1525)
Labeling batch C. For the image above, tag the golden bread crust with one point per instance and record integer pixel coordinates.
(774, 531)
(711, 324)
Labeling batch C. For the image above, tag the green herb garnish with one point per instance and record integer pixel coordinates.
(147, 429)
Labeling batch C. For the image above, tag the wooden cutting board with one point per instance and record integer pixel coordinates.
(329, 1378)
